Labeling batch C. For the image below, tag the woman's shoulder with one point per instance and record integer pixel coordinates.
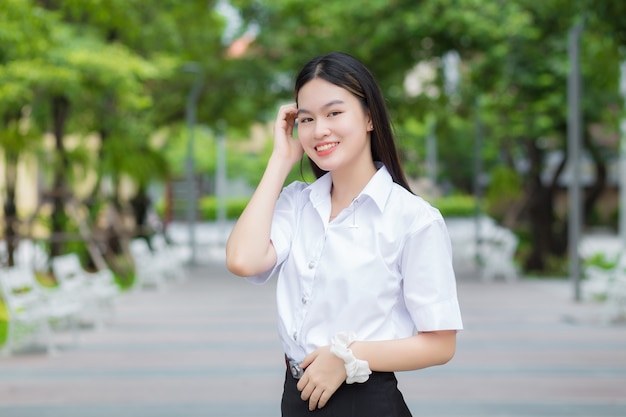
(319, 187)
(295, 193)
(411, 206)
(295, 187)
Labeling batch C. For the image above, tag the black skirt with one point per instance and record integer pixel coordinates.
(377, 397)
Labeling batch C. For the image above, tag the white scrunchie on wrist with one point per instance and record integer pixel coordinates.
(357, 370)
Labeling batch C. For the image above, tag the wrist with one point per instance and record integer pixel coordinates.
(282, 160)
(278, 167)
(357, 370)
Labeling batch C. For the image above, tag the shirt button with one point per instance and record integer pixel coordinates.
(304, 300)
(312, 264)
(295, 336)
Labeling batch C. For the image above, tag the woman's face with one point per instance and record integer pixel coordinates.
(333, 126)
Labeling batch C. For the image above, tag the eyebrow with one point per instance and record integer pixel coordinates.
(325, 106)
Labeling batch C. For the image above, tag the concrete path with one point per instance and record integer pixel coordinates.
(208, 347)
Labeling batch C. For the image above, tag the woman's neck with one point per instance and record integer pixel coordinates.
(347, 185)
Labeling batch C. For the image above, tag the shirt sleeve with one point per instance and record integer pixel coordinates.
(283, 224)
(429, 280)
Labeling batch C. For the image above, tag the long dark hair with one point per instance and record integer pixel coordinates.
(348, 72)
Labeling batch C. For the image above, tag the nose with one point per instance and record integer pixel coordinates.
(321, 130)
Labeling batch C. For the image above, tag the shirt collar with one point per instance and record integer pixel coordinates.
(378, 188)
(319, 191)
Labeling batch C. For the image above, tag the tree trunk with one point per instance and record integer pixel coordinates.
(540, 218)
(10, 206)
(60, 113)
(115, 239)
(547, 235)
(140, 204)
(597, 188)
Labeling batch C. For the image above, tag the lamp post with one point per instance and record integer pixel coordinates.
(478, 183)
(574, 139)
(431, 155)
(622, 164)
(221, 180)
(192, 197)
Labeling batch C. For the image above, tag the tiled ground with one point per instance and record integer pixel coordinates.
(208, 347)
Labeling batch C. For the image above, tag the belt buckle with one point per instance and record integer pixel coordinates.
(296, 370)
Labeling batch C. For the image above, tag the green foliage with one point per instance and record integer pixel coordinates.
(233, 207)
(175, 149)
(119, 64)
(4, 322)
(556, 267)
(601, 260)
(456, 205)
(411, 138)
(123, 271)
(504, 191)
(45, 280)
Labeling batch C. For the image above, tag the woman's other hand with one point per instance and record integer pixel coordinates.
(323, 374)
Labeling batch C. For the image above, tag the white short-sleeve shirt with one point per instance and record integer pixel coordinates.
(382, 269)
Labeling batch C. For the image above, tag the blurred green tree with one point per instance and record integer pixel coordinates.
(513, 82)
(115, 67)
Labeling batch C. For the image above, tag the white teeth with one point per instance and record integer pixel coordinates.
(325, 147)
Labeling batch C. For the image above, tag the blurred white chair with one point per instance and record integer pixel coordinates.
(497, 253)
(615, 309)
(31, 254)
(97, 291)
(33, 311)
(150, 270)
(176, 255)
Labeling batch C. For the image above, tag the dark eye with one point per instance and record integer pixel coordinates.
(334, 113)
(304, 120)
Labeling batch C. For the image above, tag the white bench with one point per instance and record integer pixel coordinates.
(596, 279)
(605, 284)
(31, 254)
(33, 311)
(157, 263)
(176, 257)
(27, 252)
(608, 286)
(149, 271)
(96, 291)
(497, 253)
(615, 309)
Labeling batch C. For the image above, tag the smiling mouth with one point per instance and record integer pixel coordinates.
(325, 147)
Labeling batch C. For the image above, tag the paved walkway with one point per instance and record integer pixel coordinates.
(208, 347)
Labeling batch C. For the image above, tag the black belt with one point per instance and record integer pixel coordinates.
(294, 368)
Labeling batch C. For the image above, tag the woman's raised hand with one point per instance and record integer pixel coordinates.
(286, 146)
(249, 250)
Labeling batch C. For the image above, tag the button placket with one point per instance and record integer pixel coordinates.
(307, 280)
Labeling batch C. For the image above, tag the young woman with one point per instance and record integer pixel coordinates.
(365, 286)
